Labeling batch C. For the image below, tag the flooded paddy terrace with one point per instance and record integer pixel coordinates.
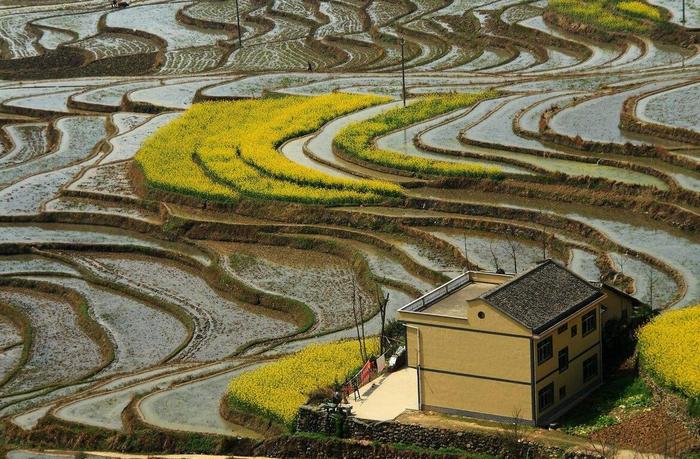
(162, 297)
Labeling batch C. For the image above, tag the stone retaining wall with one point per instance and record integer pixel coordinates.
(505, 444)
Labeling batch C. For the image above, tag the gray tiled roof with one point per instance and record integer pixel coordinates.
(542, 296)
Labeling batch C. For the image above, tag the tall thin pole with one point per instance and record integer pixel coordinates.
(403, 73)
(683, 18)
(238, 26)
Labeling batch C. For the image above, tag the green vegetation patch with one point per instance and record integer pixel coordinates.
(608, 405)
(357, 140)
(440, 452)
(610, 15)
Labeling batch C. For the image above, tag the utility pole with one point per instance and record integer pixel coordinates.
(403, 71)
(238, 26)
(683, 16)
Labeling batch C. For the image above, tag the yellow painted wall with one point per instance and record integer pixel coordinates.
(616, 303)
(493, 320)
(490, 278)
(579, 349)
(493, 398)
(576, 345)
(572, 378)
(461, 351)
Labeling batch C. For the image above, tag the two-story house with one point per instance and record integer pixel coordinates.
(504, 347)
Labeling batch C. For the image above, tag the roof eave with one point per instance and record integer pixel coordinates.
(569, 312)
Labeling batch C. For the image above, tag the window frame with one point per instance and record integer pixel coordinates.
(548, 342)
(549, 388)
(585, 366)
(565, 351)
(585, 320)
(574, 330)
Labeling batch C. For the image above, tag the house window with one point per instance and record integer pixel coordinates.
(544, 350)
(625, 314)
(588, 323)
(574, 330)
(562, 329)
(546, 397)
(590, 368)
(562, 392)
(481, 315)
(563, 359)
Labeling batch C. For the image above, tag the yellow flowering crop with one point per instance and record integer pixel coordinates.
(358, 139)
(221, 150)
(668, 348)
(612, 15)
(277, 390)
(641, 9)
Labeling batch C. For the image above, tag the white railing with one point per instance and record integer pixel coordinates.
(436, 294)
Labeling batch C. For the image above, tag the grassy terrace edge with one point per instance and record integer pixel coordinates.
(357, 140)
(226, 151)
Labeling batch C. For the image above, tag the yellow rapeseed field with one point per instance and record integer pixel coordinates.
(222, 150)
(357, 140)
(612, 15)
(668, 348)
(277, 390)
(641, 9)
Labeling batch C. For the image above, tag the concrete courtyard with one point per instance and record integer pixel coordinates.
(387, 396)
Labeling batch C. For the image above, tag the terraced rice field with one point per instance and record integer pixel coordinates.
(160, 20)
(28, 141)
(125, 145)
(163, 294)
(673, 108)
(289, 272)
(142, 335)
(60, 350)
(599, 115)
(112, 45)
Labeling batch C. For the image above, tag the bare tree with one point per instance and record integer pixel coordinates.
(513, 436)
(513, 251)
(467, 265)
(620, 260)
(357, 319)
(383, 301)
(545, 241)
(361, 305)
(603, 449)
(493, 255)
(651, 284)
